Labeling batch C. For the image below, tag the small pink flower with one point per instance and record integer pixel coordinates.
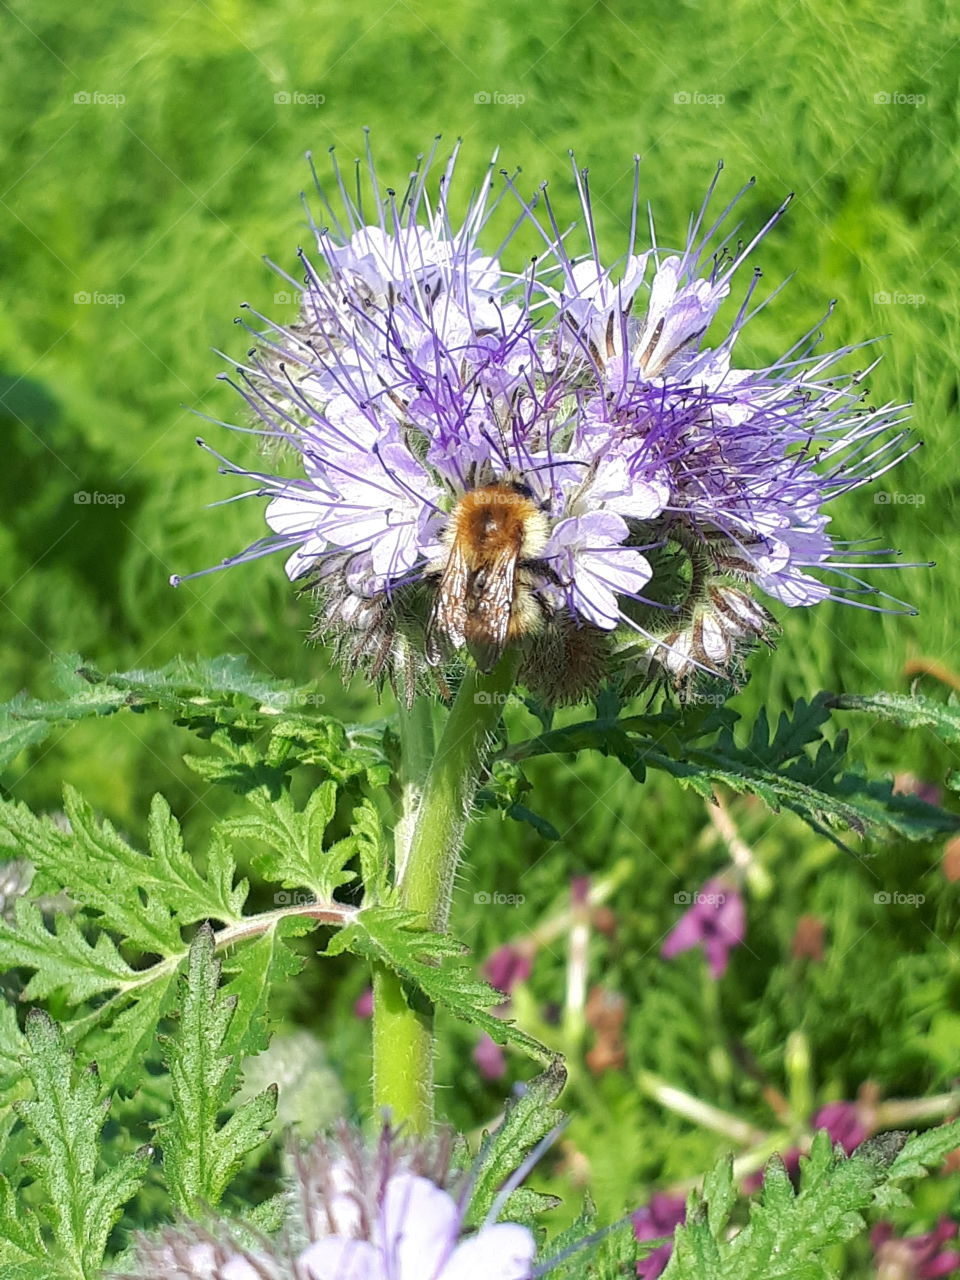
(842, 1120)
(490, 1059)
(660, 1217)
(914, 1257)
(507, 966)
(717, 922)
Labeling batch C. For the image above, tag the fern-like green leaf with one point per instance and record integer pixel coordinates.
(65, 1118)
(790, 1233)
(201, 1155)
(526, 1121)
(780, 769)
(432, 964)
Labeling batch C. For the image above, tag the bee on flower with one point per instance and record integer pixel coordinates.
(564, 461)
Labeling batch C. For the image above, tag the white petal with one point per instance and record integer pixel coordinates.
(502, 1252)
(295, 515)
(238, 1269)
(337, 1259)
(420, 1223)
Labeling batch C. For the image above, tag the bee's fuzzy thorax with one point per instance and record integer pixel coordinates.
(496, 514)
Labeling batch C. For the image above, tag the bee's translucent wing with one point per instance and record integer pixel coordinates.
(489, 605)
(448, 613)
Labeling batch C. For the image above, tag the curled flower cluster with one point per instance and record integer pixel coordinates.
(355, 1214)
(555, 460)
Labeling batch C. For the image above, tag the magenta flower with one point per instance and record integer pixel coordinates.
(716, 921)
(490, 1059)
(659, 1218)
(507, 966)
(363, 1005)
(843, 1123)
(914, 1257)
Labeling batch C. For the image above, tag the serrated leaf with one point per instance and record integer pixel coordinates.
(431, 963)
(910, 711)
(173, 871)
(96, 867)
(121, 1043)
(297, 858)
(21, 1241)
(62, 959)
(217, 689)
(65, 1118)
(205, 695)
(918, 1155)
(526, 1121)
(257, 968)
(370, 847)
(200, 1156)
(13, 1043)
(780, 770)
(791, 1232)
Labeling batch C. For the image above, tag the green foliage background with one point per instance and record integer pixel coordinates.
(171, 198)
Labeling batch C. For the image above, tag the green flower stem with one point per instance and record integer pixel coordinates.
(427, 856)
(426, 885)
(402, 1055)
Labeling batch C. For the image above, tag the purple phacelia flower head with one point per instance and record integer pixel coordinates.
(922, 1257)
(658, 1219)
(716, 921)
(653, 488)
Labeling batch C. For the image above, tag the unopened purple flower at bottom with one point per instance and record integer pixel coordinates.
(417, 1237)
(659, 1218)
(717, 921)
(380, 1214)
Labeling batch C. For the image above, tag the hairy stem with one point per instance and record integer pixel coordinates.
(449, 791)
(428, 851)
